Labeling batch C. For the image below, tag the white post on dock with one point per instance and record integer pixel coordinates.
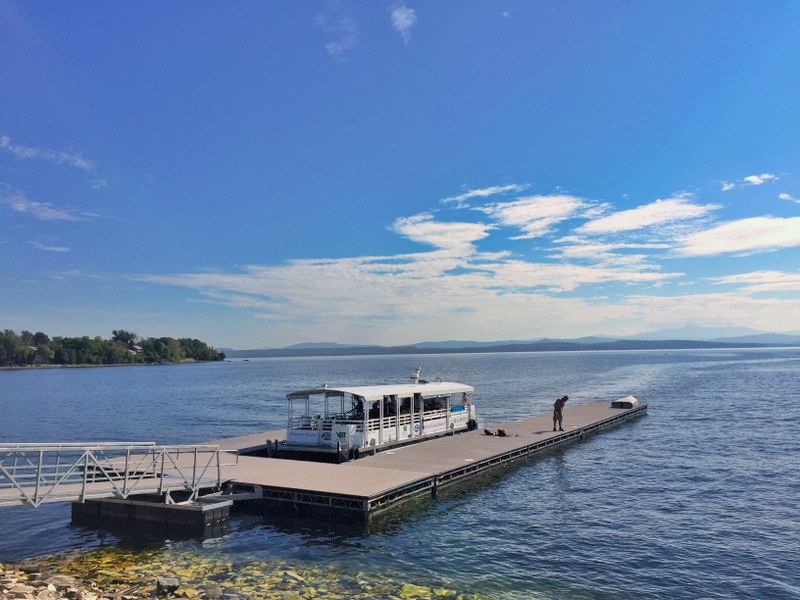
(380, 417)
(396, 400)
(411, 417)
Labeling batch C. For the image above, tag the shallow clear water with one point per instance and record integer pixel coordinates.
(697, 499)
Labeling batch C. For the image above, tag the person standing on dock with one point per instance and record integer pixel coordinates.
(558, 407)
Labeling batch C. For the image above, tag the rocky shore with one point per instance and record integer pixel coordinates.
(28, 583)
(118, 575)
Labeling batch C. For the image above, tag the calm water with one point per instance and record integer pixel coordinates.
(698, 499)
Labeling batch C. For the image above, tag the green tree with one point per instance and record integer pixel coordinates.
(23, 349)
(40, 339)
(26, 337)
(126, 337)
(46, 352)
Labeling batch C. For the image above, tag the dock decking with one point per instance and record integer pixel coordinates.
(370, 485)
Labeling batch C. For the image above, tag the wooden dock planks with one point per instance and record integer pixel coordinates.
(379, 480)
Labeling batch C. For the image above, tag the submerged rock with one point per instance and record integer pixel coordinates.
(167, 585)
(113, 573)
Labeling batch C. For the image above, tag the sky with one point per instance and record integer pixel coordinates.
(260, 174)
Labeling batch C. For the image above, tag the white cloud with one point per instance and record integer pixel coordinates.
(788, 197)
(657, 213)
(338, 24)
(403, 19)
(68, 157)
(648, 312)
(434, 294)
(40, 246)
(448, 236)
(535, 216)
(428, 289)
(759, 179)
(486, 192)
(746, 236)
(43, 210)
(394, 297)
(749, 180)
(609, 255)
(762, 281)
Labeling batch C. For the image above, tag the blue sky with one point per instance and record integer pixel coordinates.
(266, 173)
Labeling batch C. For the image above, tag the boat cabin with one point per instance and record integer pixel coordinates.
(354, 420)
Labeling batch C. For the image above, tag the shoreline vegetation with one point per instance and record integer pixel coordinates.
(26, 349)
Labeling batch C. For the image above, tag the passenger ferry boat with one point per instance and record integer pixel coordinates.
(346, 422)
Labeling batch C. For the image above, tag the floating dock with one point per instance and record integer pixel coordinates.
(369, 486)
(197, 486)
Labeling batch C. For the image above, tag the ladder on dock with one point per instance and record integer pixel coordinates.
(32, 474)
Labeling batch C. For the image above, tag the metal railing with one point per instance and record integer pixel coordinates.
(32, 474)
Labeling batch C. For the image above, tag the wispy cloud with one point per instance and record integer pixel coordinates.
(41, 246)
(403, 20)
(789, 198)
(535, 216)
(759, 179)
(485, 192)
(44, 211)
(434, 290)
(339, 25)
(583, 278)
(608, 253)
(749, 180)
(68, 157)
(761, 281)
(447, 236)
(657, 213)
(745, 236)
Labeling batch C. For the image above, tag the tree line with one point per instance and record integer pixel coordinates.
(123, 348)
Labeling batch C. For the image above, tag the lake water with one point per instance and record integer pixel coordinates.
(697, 499)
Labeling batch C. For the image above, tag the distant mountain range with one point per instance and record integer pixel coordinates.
(673, 339)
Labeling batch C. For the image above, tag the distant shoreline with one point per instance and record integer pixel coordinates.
(187, 361)
(521, 347)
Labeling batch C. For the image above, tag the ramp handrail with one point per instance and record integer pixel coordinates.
(31, 474)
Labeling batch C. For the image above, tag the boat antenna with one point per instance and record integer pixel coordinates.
(415, 376)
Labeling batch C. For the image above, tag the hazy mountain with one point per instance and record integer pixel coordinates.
(589, 339)
(468, 344)
(763, 338)
(691, 332)
(315, 345)
(684, 337)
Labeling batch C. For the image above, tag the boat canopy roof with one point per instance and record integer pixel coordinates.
(377, 392)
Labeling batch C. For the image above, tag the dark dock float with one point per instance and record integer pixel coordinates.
(364, 488)
(199, 518)
(371, 485)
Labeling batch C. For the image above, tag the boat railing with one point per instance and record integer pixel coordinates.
(323, 423)
(373, 424)
(389, 422)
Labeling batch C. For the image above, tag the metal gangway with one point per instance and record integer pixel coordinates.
(32, 474)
